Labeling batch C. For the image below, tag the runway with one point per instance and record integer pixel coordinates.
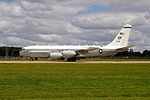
(78, 62)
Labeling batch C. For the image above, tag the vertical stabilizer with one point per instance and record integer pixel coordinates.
(122, 38)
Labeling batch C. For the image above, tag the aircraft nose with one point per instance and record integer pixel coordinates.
(20, 53)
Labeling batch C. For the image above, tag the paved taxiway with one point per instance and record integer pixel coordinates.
(75, 62)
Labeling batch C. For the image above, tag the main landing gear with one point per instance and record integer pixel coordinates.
(31, 59)
(71, 59)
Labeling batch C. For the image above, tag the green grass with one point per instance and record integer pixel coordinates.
(87, 59)
(75, 81)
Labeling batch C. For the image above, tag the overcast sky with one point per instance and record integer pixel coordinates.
(97, 22)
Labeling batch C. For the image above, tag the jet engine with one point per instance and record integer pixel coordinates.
(69, 54)
(56, 55)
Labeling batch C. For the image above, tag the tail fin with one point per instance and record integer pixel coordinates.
(122, 38)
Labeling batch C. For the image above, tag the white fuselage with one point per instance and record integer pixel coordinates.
(44, 51)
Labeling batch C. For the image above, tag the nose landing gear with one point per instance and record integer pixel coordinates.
(31, 59)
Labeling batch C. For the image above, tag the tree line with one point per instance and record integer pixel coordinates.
(144, 54)
(9, 51)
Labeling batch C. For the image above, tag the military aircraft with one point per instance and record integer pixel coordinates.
(73, 53)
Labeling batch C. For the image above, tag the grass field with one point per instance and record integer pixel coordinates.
(75, 81)
(87, 59)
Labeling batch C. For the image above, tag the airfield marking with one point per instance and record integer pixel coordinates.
(115, 62)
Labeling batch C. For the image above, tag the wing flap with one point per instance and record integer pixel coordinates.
(86, 50)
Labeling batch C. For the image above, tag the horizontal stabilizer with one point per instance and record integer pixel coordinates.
(125, 48)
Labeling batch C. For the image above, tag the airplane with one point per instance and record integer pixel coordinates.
(73, 53)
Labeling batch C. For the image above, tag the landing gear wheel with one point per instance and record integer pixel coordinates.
(31, 59)
(36, 58)
(71, 59)
(62, 58)
(74, 59)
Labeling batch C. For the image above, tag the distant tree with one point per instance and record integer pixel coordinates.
(122, 54)
(137, 54)
(2, 51)
(9, 51)
(149, 53)
(145, 53)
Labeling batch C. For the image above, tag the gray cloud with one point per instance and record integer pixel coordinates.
(102, 20)
(129, 5)
(34, 6)
(17, 11)
(31, 22)
(147, 15)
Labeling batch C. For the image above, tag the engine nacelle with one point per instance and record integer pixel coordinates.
(56, 55)
(69, 54)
